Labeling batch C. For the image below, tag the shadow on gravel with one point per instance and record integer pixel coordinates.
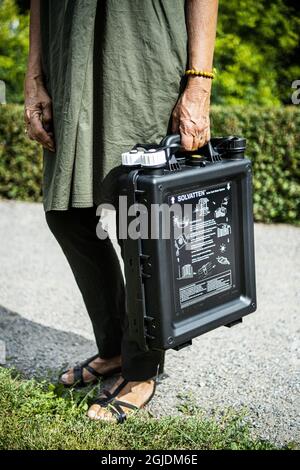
(37, 350)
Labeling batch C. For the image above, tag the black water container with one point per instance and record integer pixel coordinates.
(201, 274)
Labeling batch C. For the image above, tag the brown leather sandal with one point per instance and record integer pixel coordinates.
(78, 374)
(114, 405)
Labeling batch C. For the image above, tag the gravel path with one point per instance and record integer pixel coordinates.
(43, 325)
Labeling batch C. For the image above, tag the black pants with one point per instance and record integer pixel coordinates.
(98, 274)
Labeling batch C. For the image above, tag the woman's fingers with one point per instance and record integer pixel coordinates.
(175, 124)
(38, 133)
(191, 117)
(27, 117)
(193, 140)
(38, 114)
(47, 116)
(192, 137)
(187, 133)
(187, 141)
(201, 138)
(35, 128)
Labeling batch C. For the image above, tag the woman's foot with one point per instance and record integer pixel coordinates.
(100, 366)
(113, 407)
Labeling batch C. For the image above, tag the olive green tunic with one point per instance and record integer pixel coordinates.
(113, 69)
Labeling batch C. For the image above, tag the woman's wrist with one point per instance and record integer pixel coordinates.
(34, 64)
(34, 71)
(196, 82)
(33, 82)
(37, 76)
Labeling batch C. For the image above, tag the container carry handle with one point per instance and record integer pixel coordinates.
(172, 143)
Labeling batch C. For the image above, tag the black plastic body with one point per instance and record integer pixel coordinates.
(157, 319)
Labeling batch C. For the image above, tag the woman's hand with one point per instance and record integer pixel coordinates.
(190, 117)
(38, 113)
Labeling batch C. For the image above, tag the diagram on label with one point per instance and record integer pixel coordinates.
(222, 248)
(180, 243)
(223, 230)
(203, 254)
(187, 272)
(206, 269)
(202, 207)
(181, 222)
(223, 260)
(222, 210)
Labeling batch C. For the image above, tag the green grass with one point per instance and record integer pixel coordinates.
(35, 415)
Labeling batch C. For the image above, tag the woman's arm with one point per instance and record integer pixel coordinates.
(191, 113)
(38, 107)
(34, 59)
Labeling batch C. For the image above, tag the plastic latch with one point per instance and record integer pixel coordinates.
(234, 323)
(183, 345)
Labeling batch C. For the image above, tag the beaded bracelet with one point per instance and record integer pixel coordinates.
(200, 73)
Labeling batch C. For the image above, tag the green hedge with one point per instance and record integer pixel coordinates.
(20, 158)
(273, 145)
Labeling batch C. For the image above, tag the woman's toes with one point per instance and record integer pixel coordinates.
(93, 411)
(105, 415)
(67, 378)
(97, 412)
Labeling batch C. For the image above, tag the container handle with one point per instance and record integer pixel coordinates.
(172, 143)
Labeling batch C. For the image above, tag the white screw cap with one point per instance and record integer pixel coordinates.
(132, 158)
(154, 157)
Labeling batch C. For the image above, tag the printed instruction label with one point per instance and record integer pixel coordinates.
(203, 248)
(204, 289)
